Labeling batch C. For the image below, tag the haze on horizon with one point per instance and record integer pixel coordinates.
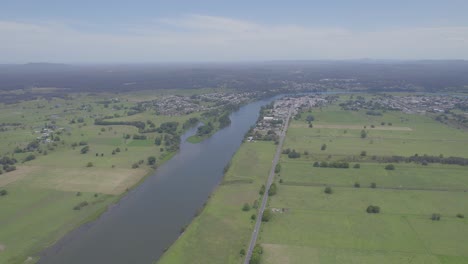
(186, 31)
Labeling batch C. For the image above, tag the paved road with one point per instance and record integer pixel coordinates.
(271, 177)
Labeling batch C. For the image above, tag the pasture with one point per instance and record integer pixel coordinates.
(316, 227)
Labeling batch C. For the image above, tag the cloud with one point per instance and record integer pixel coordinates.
(211, 38)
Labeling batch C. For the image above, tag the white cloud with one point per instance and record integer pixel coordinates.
(209, 38)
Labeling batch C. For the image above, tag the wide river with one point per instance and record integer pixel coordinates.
(149, 218)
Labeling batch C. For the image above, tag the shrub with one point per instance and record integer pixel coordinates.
(357, 166)
(390, 167)
(253, 217)
(316, 164)
(262, 190)
(294, 155)
(246, 207)
(90, 164)
(84, 150)
(273, 189)
(242, 252)
(151, 160)
(373, 209)
(324, 147)
(80, 205)
(357, 185)
(135, 166)
(277, 168)
(460, 216)
(3, 192)
(435, 217)
(266, 216)
(328, 190)
(373, 185)
(363, 153)
(363, 134)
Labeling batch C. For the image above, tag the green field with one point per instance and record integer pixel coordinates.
(42, 192)
(222, 229)
(316, 227)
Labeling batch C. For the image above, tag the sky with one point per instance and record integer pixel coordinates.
(152, 31)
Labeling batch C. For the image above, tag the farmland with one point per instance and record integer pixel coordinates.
(68, 168)
(314, 226)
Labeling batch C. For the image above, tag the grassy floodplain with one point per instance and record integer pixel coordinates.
(222, 229)
(316, 227)
(42, 192)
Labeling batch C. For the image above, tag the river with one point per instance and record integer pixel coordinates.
(149, 218)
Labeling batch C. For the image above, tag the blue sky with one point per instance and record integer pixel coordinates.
(158, 31)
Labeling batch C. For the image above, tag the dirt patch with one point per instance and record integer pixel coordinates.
(19, 173)
(2, 247)
(394, 128)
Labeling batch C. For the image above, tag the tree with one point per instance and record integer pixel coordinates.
(3, 192)
(363, 134)
(90, 164)
(357, 185)
(316, 164)
(277, 168)
(373, 209)
(266, 216)
(294, 155)
(262, 190)
(242, 252)
(253, 217)
(151, 160)
(324, 147)
(246, 207)
(328, 190)
(390, 167)
(357, 166)
(158, 141)
(363, 153)
(84, 150)
(435, 217)
(273, 189)
(373, 185)
(310, 118)
(460, 216)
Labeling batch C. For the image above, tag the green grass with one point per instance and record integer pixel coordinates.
(335, 228)
(219, 233)
(33, 218)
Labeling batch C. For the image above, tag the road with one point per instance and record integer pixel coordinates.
(271, 177)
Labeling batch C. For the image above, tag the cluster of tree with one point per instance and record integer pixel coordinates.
(116, 150)
(256, 255)
(373, 209)
(168, 127)
(193, 121)
(158, 141)
(138, 124)
(151, 160)
(335, 164)
(205, 129)
(266, 216)
(224, 120)
(139, 137)
(373, 113)
(292, 154)
(80, 205)
(424, 159)
(29, 157)
(8, 164)
(171, 142)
